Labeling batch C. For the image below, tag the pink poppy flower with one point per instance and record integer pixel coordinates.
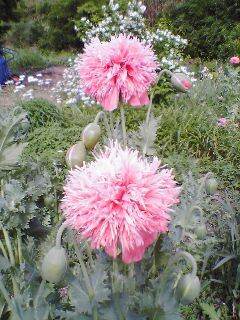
(235, 60)
(120, 201)
(121, 69)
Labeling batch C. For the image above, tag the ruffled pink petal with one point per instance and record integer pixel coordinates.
(133, 255)
(134, 101)
(110, 101)
(144, 99)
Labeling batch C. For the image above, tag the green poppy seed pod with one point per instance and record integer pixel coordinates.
(76, 155)
(211, 185)
(54, 264)
(188, 289)
(201, 231)
(91, 135)
(181, 82)
(49, 201)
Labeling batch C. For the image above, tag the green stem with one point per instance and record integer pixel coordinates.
(147, 123)
(3, 250)
(5, 293)
(164, 71)
(115, 293)
(102, 115)
(19, 241)
(59, 233)
(9, 246)
(15, 286)
(202, 185)
(111, 124)
(86, 278)
(89, 252)
(124, 132)
(39, 293)
(200, 211)
(187, 257)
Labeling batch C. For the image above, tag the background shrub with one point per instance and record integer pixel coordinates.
(42, 113)
(212, 27)
(6, 15)
(29, 60)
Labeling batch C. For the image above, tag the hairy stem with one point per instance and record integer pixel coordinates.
(60, 233)
(147, 123)
(202, 185)
(123, 122)
(102, 115)
(9, 246)
(19, 245)
(187, 257)
(85, 277)
(4, 252)
(116, 293)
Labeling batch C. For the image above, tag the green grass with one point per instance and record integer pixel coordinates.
(32, 59)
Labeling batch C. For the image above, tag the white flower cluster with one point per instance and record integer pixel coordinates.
(130, 22)
(115, 21)
(68, 89)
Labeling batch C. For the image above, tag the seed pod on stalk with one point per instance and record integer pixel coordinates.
(211, 185)
(54, 264)
(76, 155)
(91, 135)
(181, 82)
(188, 289)
(201, 231)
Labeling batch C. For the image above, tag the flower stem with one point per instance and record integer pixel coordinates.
(123, 122)
(19, 241)
(116, 293)
(102, 115)
(208, 175)
(147, 123)
(164, 71)
(59, 233)
(4, 252)
(200, 211)
(9, 246)
(85, 277)
(187, 257)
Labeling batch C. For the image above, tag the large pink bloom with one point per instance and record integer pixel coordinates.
(120, 201)
(122, 69)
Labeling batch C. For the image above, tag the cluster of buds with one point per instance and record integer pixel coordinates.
(76, 154)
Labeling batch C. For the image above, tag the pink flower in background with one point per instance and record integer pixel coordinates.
(122, 69)
(63, 292)
(222, 122)
(187, 84)
(235, 60)
(120, 201)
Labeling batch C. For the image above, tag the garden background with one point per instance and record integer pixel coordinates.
(43, 112)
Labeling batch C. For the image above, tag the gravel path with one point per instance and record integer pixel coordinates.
(50, 76)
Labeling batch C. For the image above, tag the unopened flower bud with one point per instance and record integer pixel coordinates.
(181, 82)
(76, 155)
(91, 135)
(54, 264)
(188, 289)
(49, 200)
(201, 231)
(211, 185)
